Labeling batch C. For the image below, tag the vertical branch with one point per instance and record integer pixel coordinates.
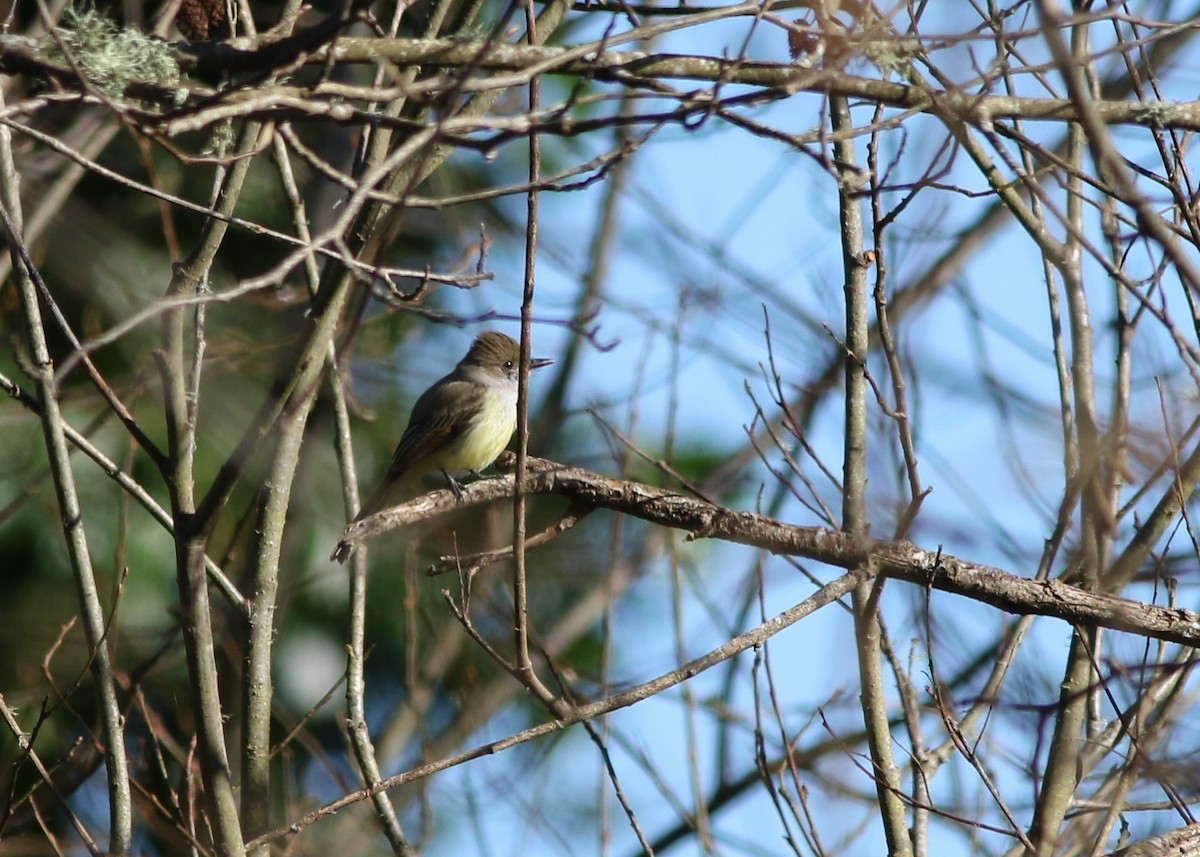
(1093, 530)
(316, 351)
(191, 529)
(854, 513)
(1116, 447)
(1062, 762)
(520, 596)
(257, 686)
(54, 433)
(356, 717)
(1116, 443)
(891, 353)
(854, 466)
(356, 709)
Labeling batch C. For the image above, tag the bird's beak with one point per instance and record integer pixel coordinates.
(539, 362)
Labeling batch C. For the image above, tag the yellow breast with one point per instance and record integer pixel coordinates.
(486, 437)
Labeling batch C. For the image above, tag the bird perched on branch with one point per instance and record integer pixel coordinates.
(461, 423)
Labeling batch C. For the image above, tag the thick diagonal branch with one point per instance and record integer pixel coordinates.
(901, 560)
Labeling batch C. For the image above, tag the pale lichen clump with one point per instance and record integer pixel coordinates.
(1156, 114)
(890, 56)
(109, 57)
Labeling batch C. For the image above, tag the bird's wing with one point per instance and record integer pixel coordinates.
(437, 419)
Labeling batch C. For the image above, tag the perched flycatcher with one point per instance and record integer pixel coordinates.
(461, 423)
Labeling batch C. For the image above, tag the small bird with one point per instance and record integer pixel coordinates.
(462, 422)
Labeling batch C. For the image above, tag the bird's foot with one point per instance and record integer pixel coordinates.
(455, 488)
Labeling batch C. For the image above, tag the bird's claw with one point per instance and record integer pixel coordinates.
(455, 488)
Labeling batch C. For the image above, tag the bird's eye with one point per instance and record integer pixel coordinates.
(508, 364)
